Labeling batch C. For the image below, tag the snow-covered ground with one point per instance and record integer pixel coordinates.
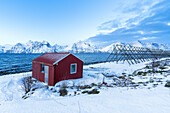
(141, 96)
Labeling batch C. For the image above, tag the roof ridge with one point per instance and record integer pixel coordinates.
(59, 53)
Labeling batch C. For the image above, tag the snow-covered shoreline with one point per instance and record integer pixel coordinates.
(141, 99)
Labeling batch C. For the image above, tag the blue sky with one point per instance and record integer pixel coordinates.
(67, 21)
(57, 21)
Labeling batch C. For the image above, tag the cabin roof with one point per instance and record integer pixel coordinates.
(51, 58)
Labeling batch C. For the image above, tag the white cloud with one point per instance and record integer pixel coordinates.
(107, 31)
(155, 31)
(150, 32)
(130, 14)
(141, 32)
(147, 38)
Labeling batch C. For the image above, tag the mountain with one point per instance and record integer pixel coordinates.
(150, 45)
(32, 47)
(137, 44)
(38, 47)
(46, 47)
(59, 48)
(77, 47)
(2, 49)
(5, 48)
(109, 48)
(18, 48)
(80, 47)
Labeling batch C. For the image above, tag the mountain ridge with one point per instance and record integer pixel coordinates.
(77, 47)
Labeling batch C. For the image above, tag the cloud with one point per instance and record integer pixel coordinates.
(148, 32)
(147, 38)
(155, 31)
(128, 15)
(105, 32)
(141, 32)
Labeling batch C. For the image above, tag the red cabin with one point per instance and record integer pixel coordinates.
(54, 67)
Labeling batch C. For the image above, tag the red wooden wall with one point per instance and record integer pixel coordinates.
(62, 70)
(36, 72)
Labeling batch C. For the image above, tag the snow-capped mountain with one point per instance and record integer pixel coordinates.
(109, 48)
(18, 48)
(78, 47)
(137, 44)
(32, 47)
(59, 48)
(44, 47)
(2, 49)
(38, 47)
(5, 48)
(150, 45)
(81, 46)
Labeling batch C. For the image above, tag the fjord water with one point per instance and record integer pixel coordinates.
(16, 63)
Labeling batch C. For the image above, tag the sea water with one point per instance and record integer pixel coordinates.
(16, 63)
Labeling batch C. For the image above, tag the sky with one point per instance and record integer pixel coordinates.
(56, 21)
(67, 21)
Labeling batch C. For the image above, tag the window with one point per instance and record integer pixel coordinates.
(73, 68)
(42, 68)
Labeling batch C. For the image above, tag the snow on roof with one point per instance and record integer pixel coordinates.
(51, 58)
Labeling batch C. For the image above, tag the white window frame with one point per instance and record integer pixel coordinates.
(71, 68)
